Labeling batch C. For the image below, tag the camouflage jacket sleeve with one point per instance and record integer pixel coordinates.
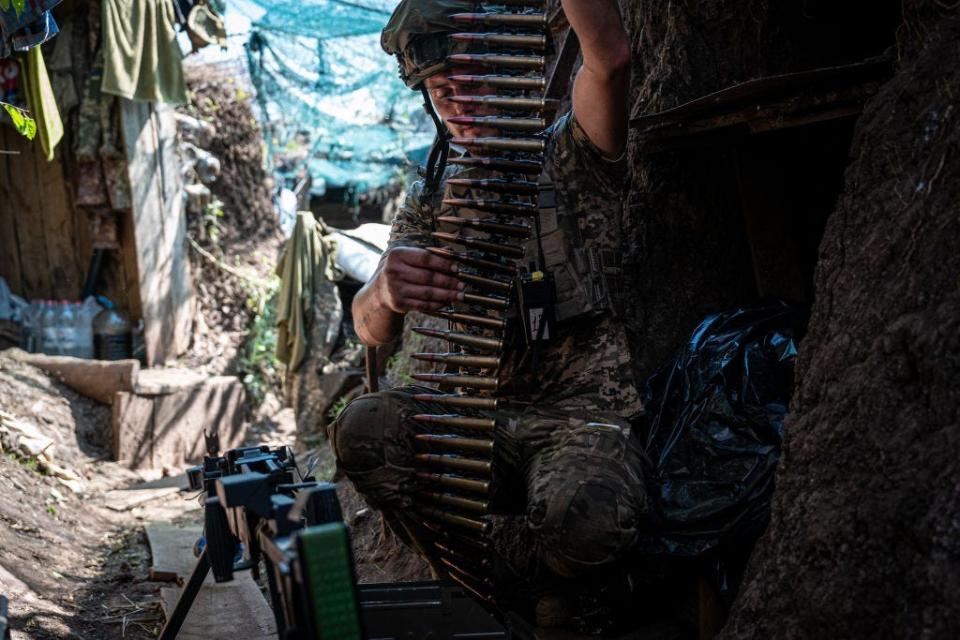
(412, 225)
(577, 162)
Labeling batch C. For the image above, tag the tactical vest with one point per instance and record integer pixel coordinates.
(588, 280)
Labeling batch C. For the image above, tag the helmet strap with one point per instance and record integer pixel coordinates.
(439, 152)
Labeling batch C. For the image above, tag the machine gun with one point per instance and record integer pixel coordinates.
(255, 497)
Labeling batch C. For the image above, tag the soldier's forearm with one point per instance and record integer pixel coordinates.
(603, 39)
(375, 322)
(603, 82)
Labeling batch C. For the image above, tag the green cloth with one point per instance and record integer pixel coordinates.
(40, 101)
(142, 60)
(307, 260)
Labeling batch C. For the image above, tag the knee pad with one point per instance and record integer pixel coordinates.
(374, 449)
(587, 499)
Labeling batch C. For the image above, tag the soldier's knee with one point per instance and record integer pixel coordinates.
(357, 434)
(593, 529)
(373, 449)
(587, 499)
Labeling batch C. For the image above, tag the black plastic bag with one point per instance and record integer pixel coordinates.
(714, 429)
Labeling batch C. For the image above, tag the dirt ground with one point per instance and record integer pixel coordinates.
(73, 567)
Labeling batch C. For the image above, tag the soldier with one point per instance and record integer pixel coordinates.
(567, 449)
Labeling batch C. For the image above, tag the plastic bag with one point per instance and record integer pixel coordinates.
(714, 428)
(11, 305)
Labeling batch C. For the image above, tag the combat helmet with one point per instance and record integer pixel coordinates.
(417, 34)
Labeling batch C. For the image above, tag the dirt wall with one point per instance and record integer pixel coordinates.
(688, 253)
(865, 537)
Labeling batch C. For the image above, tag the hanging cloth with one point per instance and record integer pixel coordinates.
(307, 260)
(24, 25)
(40, 101)
(142, 59)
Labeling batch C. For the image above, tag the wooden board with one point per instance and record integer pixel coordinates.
(59, 229)
(127, 499)
(9, 247)
(158, 230)
(171, 550)
(44, 242)
(220, 610)
(25, 198)
(155, 431)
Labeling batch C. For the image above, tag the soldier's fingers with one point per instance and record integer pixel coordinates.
(431, 279)
(429, 294)
(426, 260)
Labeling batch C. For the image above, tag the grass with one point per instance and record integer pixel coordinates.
(258, 366)
(30, 463)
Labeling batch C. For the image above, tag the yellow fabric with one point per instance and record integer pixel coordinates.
(307, 260)
(141, 57)
(40, 101)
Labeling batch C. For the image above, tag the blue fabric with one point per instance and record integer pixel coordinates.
(32, 27)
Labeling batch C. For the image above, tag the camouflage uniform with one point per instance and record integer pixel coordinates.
(570, 448)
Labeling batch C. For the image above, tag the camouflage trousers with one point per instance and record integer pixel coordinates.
(576, 481)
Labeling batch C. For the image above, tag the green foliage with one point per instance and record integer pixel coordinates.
(258, 359)
(52, 510)
(212, 219)
(23, 123)
(17, 6)
(401, 367)
(30, 463)
(337, 408)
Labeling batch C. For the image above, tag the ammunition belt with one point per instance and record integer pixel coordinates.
(457, 450)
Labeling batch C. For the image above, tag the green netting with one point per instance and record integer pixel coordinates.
(324, 84)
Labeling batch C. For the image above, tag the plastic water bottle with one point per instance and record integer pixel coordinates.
(30, 326)
(50, 342)
(85, 312)
(66, 326)
(111, 334)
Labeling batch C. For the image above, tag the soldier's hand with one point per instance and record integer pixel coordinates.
(413, 279)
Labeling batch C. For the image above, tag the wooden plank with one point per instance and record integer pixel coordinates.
(59, 230)
(159, 228)
(180, 419)
(168, 430)
(220, 610)
(132, 428)
(127, 499)
(9, 247)
(97, 379)
(171, 550)
(181, 301)
(28, 210)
